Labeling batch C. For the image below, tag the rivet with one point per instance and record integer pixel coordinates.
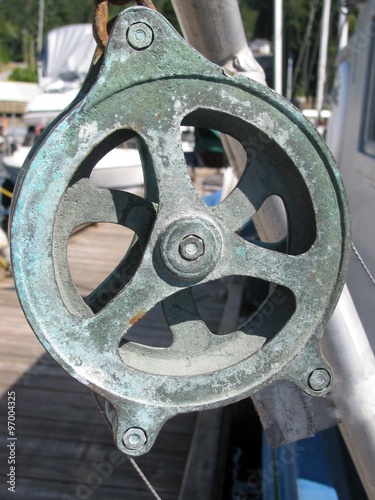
(134, 438)
(140, 36)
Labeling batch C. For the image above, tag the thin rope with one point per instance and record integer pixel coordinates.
(131, 460)
(102, 411)
(144, 478)
(362, 262)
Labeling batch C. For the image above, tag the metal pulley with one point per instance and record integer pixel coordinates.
(149, 82)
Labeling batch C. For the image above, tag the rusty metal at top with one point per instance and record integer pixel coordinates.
(100, 18)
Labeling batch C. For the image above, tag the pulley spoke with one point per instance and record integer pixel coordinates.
(132, 303)
(94, 204)
(175, 189)
(105, 205)
(235, 210)
(246, 198)
(249, 259)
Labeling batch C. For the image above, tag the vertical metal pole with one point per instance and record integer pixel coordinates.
(323, 54)
(289, 80)
(347, 349)
(278, 46)
(216, 30)
(39, 43)
(343, 26)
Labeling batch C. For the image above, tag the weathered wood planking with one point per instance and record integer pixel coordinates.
(62, 438)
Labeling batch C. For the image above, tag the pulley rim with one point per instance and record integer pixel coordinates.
(46, 177)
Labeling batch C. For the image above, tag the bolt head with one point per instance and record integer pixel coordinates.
(140, 36)
(191, 248)
(319, 379)
(134, 438)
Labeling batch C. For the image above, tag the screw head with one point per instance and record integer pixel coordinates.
(134, 438)
(191, 248)
(319, 379)
(140, 36)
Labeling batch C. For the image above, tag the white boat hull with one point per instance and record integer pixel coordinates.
(120, 169)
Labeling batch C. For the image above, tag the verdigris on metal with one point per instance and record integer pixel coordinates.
(146, 89)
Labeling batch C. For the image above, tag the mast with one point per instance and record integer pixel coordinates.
(343, 25)
(278, 46)
(39, 40)
(323, 54)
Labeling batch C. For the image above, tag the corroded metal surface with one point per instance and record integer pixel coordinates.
(147, 92)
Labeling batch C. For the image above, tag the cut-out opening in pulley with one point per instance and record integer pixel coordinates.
(243, 303)
(268, 172)
(227, 305)
(102, 190)
(115, 163)
(90, 269)
(277, 239)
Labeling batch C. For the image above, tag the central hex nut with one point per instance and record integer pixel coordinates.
(140, 36)
(191, 248)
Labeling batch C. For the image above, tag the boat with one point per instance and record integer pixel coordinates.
(65, 60)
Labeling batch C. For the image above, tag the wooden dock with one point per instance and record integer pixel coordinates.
(64, 448)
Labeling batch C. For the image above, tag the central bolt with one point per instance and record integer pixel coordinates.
(191, 248)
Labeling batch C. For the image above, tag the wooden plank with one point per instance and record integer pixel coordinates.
(61, 432)
(59, 426)
(33, 489)
(201, 476)
(37, 380)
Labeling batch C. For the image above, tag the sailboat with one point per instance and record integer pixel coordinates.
(65, 61)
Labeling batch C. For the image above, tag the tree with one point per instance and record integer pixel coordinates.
(19, 26)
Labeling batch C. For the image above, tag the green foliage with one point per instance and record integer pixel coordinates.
(249, 17)
(4, 54)
(19, 26)
(19, 21)
(165, 7)
(23, 75)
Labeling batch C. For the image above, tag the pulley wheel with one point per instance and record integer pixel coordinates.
(148, 84)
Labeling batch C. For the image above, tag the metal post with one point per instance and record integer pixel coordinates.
(347, 349)
(344, 344)
(289, 80)
(323, 54)
(278, 46)
(216, 30)
(39, 44)
(343, 25)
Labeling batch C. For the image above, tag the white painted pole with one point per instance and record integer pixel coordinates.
(39, 43)
(323, 55)
(278, 46)
(289, 79)
(343, 26)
